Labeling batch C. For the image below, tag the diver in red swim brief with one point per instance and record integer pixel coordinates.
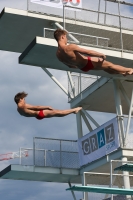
(89, 65)
(40, 115)
(74, 56)
(40, 112)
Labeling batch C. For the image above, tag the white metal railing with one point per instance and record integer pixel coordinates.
(81, 82)
(97, 38)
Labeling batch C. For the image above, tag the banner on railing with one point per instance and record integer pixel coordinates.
(99, 142)
(59, 3)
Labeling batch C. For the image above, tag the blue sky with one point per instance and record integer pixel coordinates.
(17, 131)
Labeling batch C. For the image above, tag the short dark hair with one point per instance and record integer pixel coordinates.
(58, 33)
(19, 96)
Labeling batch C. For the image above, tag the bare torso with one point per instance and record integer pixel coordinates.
(71, 58)
(24, 111)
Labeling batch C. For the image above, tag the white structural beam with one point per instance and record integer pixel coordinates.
(84, 183)
(126, 178)
(124, 93)
(91, 118)
(129, 119)
(86, 122)
(57, 82)
(70, 35)
(119, 110)
(71, 83)
(79, 124)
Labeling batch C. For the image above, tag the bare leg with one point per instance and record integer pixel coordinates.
(100, 64)
(60, 113)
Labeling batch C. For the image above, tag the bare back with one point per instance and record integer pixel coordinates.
(70, 57)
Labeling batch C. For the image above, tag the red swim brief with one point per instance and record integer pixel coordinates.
(40, 115)
(89, 66)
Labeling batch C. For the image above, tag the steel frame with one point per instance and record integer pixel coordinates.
(118, 88)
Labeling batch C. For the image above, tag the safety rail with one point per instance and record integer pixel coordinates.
(114, 25)
(52, 153)
(55, 153)
(98, 41)
(81, 82)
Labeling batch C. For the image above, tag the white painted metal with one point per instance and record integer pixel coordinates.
(124, 93)
(49, 29)
(111, 178)
(71, 83)
(63, 16)
(126, 177)
(85, 194)
(129, 119)
(86, 122)
(91, 118)
(79, 124)
(120, 29)
(70, 35)
(57, 82)
(79, 34)
(119, 111)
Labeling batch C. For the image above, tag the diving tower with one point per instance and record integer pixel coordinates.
(103, 92)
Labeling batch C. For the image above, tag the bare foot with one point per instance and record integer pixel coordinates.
(130, 72)
(77, 110)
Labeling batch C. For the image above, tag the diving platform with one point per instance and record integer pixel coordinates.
(39, 51)
(105, 190)
(45, 174)
(126, 167)
(42, 53)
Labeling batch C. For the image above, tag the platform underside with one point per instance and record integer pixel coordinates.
(45, 174)
(100, 97)
(102, 165)
(42, 53)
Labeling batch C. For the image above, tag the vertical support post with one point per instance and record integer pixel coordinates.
(79, 125)
(60, 159)
(71, 83)
(80, 86)
(63, 16)
(105, 12)
(27, 5)
(34, 152)
(120, 29)
(111, 178)
(126, 177)
(20, 161)
(45, 157)
(119, 111)
(129, 119)
(97, 41)
(84, 183)
(98, 11)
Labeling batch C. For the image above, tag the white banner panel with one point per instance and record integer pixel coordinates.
(99, 142)
(59, 3)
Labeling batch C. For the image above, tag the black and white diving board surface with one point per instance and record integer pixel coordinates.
(104, 190)
(126, 167)
(45, 174)
(42, 53)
